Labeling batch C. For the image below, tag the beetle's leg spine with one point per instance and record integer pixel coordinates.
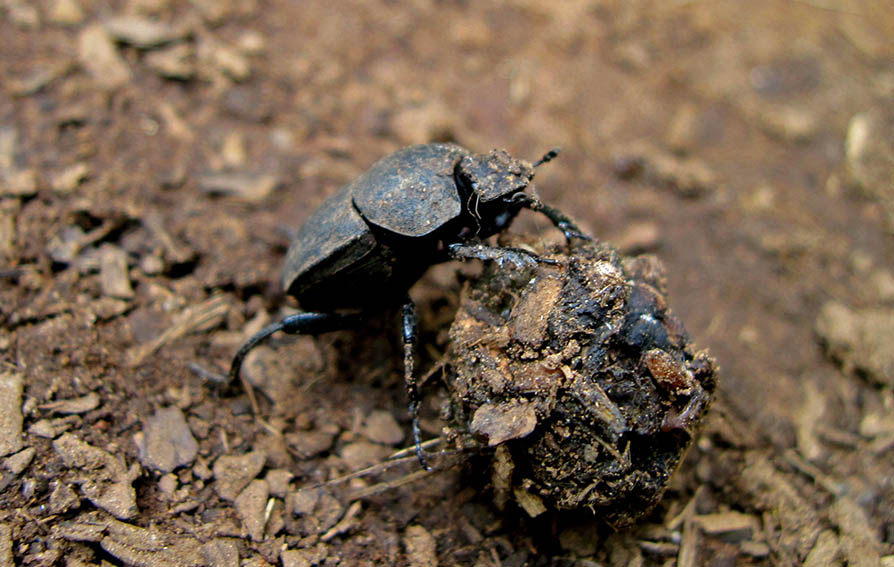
(409, 324)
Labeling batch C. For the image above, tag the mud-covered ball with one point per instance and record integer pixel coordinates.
(582, 379)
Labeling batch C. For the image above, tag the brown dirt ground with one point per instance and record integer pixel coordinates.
(154, 154)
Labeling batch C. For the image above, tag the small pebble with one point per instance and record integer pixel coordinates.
(64, 246)
(109, 484)
(303, 502)
(327, 512)
(113, 275)
(233, 473)
(639, 237)
(421, 547)
(869, 153)
(689, 178)
(74, 405)
(247, 186)
(148, 7)
(23, 14)
(167, 442)
(66, 13)
(757, 549)
(7, 235)
(201, 471)
(295, 558)
(100, 57)
(309, 444)
(683, 132)
(11, 419)
(233, 151)
(63, 498)
(731, 526)
(278, 481)
(52, 428)
(152, 265)
(17, 463)
(36, 79)
(247, 102)
(226, 60)
(381, 427)
(14, 180)
(860, 339)
(362, 454)
(250, 506)
(106, 308)
(825, 550)
(213, 10)
(167, 484)
(174, 62)
(789, 123)
(419, 124)
(221, 552)
(252, 42)
(142, 32)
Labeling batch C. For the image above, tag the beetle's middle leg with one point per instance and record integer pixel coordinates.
(409, 326)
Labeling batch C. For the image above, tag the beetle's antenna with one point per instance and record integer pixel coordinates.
(548, 157)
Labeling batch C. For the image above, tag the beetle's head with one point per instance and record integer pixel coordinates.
(494, 175)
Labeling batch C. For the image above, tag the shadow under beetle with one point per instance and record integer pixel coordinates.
(366, 245)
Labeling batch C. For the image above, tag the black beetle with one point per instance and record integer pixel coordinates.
(366, 245)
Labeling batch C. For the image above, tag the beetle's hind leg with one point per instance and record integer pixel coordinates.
(409, 326)
(297, 324)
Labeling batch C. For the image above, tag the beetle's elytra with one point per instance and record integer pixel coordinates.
(366, 245)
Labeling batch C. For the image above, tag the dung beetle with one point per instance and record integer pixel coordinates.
(368, 243)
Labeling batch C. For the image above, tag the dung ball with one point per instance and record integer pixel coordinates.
(581, 378)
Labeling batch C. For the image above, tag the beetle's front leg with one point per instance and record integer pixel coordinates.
(409, 326)
(559, 219)
(519, 257)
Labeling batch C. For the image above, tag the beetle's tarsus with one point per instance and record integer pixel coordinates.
(409, 324)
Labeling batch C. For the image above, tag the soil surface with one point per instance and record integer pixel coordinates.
(156, 156)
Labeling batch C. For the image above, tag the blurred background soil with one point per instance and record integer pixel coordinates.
(155, 154)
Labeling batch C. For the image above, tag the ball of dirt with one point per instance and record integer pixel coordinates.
(581, 377)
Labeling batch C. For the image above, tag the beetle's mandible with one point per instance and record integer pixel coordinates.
(366, 245)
